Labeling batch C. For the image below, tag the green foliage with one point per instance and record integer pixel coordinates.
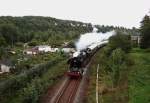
(43, 29)
(9, 32)
(19, 44)
(2, 41)
(116, 63)
(2, 52)
(112, 76)
(139, 78)
(32, 43)
(38, 86)
(120, 40)
(47, 29)
(145, 31)
(14, 83)
(104, 29)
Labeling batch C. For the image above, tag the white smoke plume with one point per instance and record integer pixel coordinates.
(89, 38)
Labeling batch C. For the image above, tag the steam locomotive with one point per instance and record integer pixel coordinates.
(79, 60)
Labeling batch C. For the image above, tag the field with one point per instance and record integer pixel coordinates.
(139, 77)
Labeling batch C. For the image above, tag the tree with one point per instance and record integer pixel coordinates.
(9, 32)
(2, 41)
(116, 62)
(120, 40)
(145, 31)
(2, 45)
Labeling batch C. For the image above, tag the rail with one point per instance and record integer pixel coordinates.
(68, 92)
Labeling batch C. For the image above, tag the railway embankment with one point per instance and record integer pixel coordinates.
(112, 81)
(133, 79)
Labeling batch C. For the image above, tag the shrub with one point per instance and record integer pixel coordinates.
(32, 43)
(32, 92)
(19, 44)
(116, 63)
(10, 86)
(120, 40)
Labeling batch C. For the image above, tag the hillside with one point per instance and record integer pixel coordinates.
(41, 29)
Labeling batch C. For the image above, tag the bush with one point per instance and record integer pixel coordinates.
(10, 86)
(116, 63)
(32, 92)
(120, 40)
(19, 44)
(129, 60)
(32, 43)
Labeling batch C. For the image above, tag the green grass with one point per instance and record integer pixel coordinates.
(139, 77)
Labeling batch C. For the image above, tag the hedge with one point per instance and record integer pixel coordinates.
(13, 84)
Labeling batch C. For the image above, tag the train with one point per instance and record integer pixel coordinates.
(79, 60)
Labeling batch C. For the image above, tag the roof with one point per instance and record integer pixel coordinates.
(42, 46)
(32, 50)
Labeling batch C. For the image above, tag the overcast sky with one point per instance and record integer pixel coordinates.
(127, 13)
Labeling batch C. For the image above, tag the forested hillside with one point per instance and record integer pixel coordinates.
(39, 29)
(103, 29)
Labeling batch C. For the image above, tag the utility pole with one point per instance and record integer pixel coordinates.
(97, 84)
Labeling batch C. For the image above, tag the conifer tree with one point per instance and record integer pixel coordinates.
(145, 31)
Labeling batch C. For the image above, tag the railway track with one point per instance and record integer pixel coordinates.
(68, 92)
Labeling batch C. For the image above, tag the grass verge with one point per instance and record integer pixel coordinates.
(139, 77)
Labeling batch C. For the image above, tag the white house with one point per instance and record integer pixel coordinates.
(40, 49)
(68, 50)
(5, 66)
(32, 51)
(54, 49)
(44, 48)
(136, 39)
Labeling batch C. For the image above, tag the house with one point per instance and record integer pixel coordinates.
(32, 51)
(5, 66)
(54, 50)
(37, 49)
(40, 49)
(44, 48)
(68, 50)
(136, 39)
